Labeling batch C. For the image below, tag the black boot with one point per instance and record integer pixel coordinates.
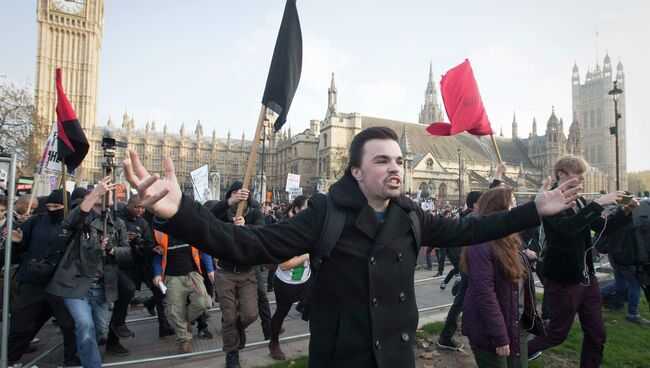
(232, 359)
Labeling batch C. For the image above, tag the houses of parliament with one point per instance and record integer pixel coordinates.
(70, 37)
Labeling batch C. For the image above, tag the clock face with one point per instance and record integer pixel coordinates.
(74, 7)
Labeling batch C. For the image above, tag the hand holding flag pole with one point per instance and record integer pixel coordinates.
(281, 83)
(464, 106)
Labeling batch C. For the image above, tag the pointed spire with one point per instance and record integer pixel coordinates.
(405, 142)
(198, 130)
(515, 133)
(214, 135)
(431, 110)
(153, 125)
(501, 132)
(575, 78)
(534, 127)
(182, 129)
(331, 98)
(165, 129)
(109, 123)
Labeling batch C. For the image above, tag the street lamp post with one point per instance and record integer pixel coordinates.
(614, 130)
(460, 178)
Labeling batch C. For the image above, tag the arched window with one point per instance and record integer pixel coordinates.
(325, 140)
(442, 191)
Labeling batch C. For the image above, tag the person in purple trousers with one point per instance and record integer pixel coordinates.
(570, 283)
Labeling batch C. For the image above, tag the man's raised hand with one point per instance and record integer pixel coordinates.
(551, 202)
(160, 196)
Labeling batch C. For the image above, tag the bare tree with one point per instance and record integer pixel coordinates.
(338, 162)
(16, 118)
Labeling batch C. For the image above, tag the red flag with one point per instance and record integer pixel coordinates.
(463, 104)
(72, 142)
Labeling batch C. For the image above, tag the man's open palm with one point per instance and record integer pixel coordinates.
(160, 196)
(551, 202)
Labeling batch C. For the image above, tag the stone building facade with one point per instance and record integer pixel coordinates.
(446, 168)
(594, 107)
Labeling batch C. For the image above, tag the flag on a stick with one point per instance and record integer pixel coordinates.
(72, 142)
(463, 104)
(286, 65)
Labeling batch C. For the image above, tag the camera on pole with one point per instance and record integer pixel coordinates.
(109, 147)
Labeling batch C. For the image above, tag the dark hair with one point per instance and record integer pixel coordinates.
(298, 202)
(472, 198)
(359, 140)
(506, 250)
(3, 200)
(133, 199)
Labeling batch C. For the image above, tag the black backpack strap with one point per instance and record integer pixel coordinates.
(330, 233)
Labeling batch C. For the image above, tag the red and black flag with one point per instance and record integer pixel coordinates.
(286, 65)
(72, 142)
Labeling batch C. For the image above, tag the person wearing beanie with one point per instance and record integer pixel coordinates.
(87, 278)
(237, 285)
(40, 240)
(79, 193)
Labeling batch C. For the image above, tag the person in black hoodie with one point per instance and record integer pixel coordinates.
(240, 287)
(140, 268)
(41, 239)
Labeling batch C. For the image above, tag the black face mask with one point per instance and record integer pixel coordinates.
(56, 215)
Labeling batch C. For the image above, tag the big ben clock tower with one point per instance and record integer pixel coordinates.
(70, 37)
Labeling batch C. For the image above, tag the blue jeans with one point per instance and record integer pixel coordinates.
(624, 278)
(90, 321)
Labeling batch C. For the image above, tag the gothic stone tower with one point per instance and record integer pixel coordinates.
(70, 37)
(594, 108)
(430, 111)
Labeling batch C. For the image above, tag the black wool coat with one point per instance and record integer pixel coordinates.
(364, 312)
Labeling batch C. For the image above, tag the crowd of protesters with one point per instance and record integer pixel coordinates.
(76, 267)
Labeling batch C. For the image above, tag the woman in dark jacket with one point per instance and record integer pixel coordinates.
(499, 308)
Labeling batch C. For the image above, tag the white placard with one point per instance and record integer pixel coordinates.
(49, 159)
(293, 181)
(201, 184)
(69, 185)
(294, 192)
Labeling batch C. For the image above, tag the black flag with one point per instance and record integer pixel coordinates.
(286, 65)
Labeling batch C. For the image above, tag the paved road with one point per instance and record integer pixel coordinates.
(147, 345)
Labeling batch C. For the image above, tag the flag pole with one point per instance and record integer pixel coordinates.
(31, 199)
(252, 158)
(496, 148)
(65, 190)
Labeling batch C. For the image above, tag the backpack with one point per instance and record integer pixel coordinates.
(330, 234)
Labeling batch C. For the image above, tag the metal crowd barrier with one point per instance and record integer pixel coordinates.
(11, 184)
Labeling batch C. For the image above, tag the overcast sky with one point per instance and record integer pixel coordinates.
(183, 61)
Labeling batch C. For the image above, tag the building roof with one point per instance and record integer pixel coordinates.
(475, 149)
